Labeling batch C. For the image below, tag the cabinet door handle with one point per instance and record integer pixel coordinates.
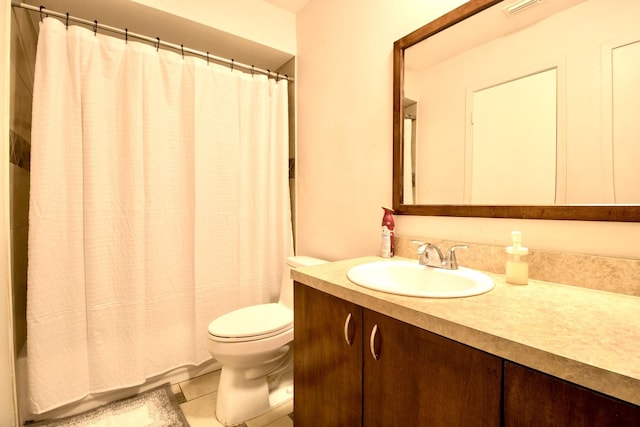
(347, 324)
(372, 343)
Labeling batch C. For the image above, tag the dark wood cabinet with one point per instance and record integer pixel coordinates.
(357, 367)
(327, 369)
(532, 398)
(348, 375)
(420, 378)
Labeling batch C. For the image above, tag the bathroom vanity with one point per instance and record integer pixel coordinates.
(517, 355)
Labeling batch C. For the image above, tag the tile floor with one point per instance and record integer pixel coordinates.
(197, 398)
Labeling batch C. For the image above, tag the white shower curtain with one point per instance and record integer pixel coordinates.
(159, 200)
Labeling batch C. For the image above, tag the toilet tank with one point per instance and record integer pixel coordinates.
(303, 261)
(286, 288)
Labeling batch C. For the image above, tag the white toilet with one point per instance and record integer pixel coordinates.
(254, 345)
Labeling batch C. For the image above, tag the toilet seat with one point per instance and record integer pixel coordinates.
(251, 323)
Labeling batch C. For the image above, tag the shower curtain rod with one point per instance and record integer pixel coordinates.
(156, 41)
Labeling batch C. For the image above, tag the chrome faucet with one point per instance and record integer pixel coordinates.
(431, 256)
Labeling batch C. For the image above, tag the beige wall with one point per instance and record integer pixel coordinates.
(253, 20)
(253, 32)
(344, 166)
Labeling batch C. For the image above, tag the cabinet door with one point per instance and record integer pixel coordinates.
(532, 398)
(327, 360)
(420, 378)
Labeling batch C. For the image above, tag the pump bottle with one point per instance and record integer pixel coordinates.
(517, 267)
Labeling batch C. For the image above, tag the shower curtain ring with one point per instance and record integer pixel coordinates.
(95, 27)
(126, 36)
(158, 45)
(231, 64)
(66, 22)
(182, 50)
(41, 9)
(207, 58)
(253, 69)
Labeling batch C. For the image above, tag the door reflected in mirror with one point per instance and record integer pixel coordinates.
(511, 152)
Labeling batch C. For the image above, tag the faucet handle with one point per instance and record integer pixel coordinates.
(450, 258)
(430, 254)
(422, 246)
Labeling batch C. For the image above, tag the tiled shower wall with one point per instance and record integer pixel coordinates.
(23, 52)
(289, 69)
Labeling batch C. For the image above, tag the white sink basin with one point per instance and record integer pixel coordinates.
(412, 279)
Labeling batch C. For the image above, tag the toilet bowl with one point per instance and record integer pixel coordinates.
(254, 345)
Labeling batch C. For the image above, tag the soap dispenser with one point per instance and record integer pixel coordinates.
(517, 261)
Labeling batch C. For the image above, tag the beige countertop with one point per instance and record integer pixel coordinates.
(588, 337)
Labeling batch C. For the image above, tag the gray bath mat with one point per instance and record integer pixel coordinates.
(157, 407)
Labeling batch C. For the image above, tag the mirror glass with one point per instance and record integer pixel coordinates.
(522, 109)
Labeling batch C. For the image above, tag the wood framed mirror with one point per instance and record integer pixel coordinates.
(572, 196)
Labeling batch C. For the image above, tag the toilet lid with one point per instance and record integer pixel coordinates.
(253, 322)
